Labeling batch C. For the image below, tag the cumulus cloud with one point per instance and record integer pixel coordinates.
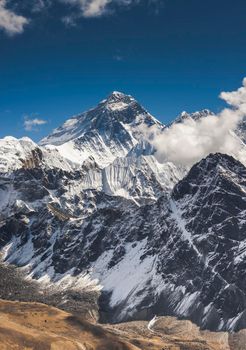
(10, 22)
(33, 124)
(187, 142)
(236, 98)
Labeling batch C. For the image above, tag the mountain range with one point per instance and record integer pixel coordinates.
(90, 208)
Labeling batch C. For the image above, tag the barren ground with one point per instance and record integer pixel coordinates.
(41, 327)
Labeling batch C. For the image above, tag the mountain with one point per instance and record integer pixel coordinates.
(106, 132)
(186, 251)
(91, 210)
(112, 139)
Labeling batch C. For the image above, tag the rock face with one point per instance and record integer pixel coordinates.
(156, 238)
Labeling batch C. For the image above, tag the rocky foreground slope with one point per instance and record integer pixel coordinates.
(39, 327)
(92, 210)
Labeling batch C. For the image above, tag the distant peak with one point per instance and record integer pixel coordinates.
(192, 116)
(201, 113)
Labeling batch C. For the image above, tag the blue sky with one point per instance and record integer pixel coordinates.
(61, 57)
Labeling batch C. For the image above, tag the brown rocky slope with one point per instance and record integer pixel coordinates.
(37, 326)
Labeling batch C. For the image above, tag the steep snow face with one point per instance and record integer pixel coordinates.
(106, 132)
(140, 178)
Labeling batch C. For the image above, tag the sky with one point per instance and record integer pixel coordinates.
(60, 57)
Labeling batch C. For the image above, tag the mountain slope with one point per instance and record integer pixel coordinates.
(197, 270)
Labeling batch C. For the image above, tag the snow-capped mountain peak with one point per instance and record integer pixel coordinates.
(107, 131)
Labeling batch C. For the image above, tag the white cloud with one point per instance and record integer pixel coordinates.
(96, 8)
(188, 142)
(10, 22)
(89, 8)
(236, 98)
(32, 124)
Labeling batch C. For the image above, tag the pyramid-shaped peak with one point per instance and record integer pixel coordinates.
(110, 120)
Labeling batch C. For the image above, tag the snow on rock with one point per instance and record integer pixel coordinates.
(24, 153)
(128, 275)
(13, 152)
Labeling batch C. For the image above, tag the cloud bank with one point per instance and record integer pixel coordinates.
(10, 22)
(187, 142)
(32, 124)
